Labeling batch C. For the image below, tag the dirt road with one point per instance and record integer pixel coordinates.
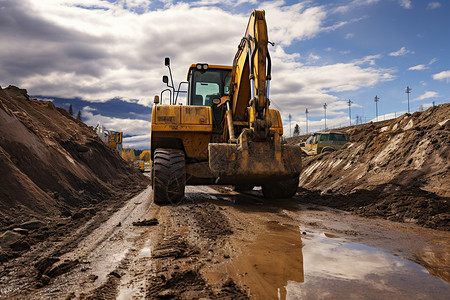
(221, 244)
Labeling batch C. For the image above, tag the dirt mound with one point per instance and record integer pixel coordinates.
(397, 169)
(53, 165)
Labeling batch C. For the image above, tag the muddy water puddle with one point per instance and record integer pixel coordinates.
(288, 263)
(338, 269)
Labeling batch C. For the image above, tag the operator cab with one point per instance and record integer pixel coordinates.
(208, 82)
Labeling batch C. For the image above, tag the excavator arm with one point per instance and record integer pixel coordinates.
(250, 77)
(255, 155)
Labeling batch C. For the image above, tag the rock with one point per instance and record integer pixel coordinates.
(3, 256)
(151, 222)
(32, 224)
(21, 231)
(83, 212)
(45, 279)
(115, 274)
(77, 215)
(93, 277)
(9, 237)
(20, 245)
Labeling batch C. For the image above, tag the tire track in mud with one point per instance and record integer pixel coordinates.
(100, 256)
(194, 237)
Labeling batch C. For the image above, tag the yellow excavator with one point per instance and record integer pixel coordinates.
(225, 133)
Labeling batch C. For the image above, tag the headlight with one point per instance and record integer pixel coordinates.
(202, 67)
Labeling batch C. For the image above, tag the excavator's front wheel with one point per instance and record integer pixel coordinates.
(281, 189)
(169, 177)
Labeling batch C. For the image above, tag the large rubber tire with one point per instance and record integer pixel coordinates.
(327, 150)
(169, 176)
(281, 189)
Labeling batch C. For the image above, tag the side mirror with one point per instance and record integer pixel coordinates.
(156, 100)
(165, 79)
(167, 61)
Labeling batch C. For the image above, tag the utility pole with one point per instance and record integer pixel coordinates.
(325, 111)
(408, 91)
(349, 111)
(306, 113)
(290, 128)
(376, 105)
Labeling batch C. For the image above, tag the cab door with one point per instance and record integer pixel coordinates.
(314, 145)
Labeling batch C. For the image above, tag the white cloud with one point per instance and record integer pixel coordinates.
(128, 126)
(137, 141)
(433, 61)
(301, 86)
(444, 75)
(406, 4)
(349, 36)
(313, 57)
(61, 48)
(295, 22)
(418, 68)
(427, 95)
(354, 4)
(370, 59)
(401, 52)
(433, 5)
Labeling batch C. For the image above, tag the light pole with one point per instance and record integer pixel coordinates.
(408, 91)
(376, 105)
(349, 111)
(325, 111)
(306, 113)
(290, 128)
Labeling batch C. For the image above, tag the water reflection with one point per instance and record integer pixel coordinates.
(336, 269)
(271, 261)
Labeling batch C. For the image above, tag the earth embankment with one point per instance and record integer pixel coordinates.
(398, 170)
(54, 166)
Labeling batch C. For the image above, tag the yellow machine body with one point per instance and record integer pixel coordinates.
(226, 133)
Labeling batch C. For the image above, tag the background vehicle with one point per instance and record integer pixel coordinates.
(323, 142)
(226, 134)
(111, 138)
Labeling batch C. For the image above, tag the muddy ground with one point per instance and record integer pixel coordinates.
(219, 244)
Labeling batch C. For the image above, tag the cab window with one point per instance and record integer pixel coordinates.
(323, 137)
(209, 84)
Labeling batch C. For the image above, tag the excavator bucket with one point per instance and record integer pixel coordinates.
(253, 162)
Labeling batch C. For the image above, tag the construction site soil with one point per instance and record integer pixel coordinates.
(55, 172)
(397, 169)
(78, 222)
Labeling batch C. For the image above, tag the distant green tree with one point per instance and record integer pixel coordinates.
(79, 116)
(296, 130)
(71, 110)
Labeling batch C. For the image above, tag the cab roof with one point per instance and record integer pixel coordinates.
(194, 66)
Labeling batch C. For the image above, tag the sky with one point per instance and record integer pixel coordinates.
(106, 58)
